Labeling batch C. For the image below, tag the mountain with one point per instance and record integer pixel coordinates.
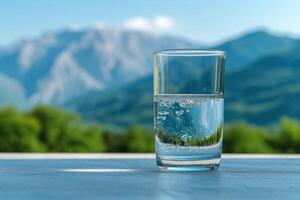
(60, 66)
(57, 67)
(265, 90)
(105, 74)
(259, 93)
(252, 46)
(119, 108)
(12, 92)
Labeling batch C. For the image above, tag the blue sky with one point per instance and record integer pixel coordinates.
(207, 21)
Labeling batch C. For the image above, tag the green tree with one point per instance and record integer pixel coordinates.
(139, 140)
(54, 130)
(19, 133)
(242, 138)
(115, 142)
(290, 135)
(63, 131)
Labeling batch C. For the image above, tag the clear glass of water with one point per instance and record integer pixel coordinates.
(188, 108)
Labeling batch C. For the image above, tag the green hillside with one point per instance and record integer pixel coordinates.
(260, 93)
(265, 90)
(251, 47)
(131, 104)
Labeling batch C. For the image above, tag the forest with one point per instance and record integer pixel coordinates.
(49, 129)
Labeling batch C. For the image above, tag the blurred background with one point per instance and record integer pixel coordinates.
(76, 76)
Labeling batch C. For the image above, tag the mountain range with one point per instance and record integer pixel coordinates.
(260, 93)
(57, 67)
(106, 75)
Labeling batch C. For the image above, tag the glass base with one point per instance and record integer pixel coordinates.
(188, 163)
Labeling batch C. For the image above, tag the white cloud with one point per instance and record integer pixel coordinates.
(165, 23)
(160, 23)
(138, 23)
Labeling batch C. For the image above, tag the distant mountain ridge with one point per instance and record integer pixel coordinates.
(105, 74)
(267, 89)
(252, 46)
(60, 66)
(260, 93)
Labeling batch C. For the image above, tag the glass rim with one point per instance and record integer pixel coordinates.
(189, 52)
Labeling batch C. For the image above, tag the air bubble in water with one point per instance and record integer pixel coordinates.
(179, 113)
(165, 113)
(185, 121)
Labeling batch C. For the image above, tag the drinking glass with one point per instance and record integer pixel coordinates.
(188, 108)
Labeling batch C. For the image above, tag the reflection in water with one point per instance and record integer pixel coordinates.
(101, 170)
(164, 184)
(188, 185)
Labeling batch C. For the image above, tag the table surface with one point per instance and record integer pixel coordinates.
(135, 176)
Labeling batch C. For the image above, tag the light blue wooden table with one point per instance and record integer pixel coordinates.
(135, 176)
